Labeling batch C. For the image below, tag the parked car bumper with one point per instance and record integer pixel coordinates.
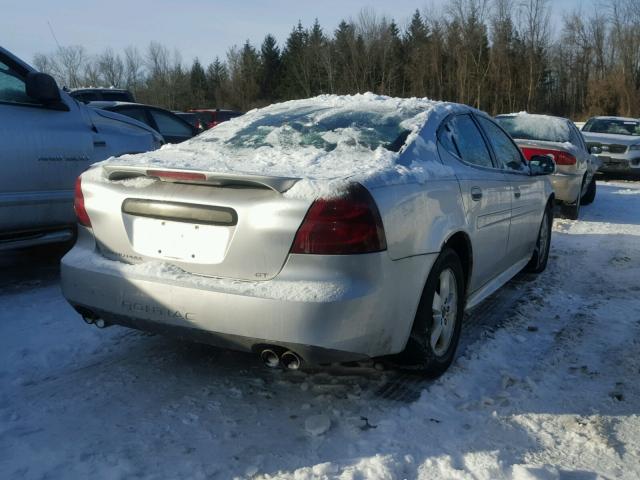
(620, 163)
(567, 186)
(325, 308)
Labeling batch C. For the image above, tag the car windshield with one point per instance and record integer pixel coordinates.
(320, 127)
(614, 126)
(535, 127)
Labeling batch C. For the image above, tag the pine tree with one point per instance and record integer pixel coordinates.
(270, 69)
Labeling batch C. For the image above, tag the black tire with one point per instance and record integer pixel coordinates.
(420, 353)
(590, 195)
(570, 210)
(540, 256)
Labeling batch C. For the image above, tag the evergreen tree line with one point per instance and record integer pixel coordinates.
(497, 55)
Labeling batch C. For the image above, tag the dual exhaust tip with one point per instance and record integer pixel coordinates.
(92, 320)
(289, 360)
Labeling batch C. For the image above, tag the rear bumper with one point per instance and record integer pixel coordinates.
(566, 186)
(325, 308)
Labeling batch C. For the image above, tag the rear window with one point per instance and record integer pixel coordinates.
(536, 127)
(324, 129)
(613, 126)
(116, 97)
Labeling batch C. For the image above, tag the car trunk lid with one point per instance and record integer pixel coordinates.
(223, 225)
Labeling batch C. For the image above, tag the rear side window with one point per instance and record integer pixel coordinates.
(171, 126)
(469, 142)
(508, 155)
(135, 113)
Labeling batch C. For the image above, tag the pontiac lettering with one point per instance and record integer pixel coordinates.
(157, 310)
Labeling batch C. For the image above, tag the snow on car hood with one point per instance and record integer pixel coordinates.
(325, 141)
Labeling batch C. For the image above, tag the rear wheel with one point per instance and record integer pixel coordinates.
(590, 194)
(540, 256)
(572, 210)
(436, 328)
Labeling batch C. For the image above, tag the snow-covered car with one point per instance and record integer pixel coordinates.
(574, 180)
(618, 138)
(328, 229)
(47, 139)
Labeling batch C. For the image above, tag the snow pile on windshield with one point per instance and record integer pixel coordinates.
(322, 140)
(528, 126)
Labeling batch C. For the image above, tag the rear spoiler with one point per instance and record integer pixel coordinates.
(200, 177)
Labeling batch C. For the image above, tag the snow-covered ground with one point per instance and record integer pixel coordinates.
(545, 386)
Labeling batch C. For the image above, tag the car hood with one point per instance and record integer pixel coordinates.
(608, 138)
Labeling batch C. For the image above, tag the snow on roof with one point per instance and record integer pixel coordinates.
(322, 140)
(527, 126)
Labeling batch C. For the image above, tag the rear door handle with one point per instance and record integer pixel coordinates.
(476, 193)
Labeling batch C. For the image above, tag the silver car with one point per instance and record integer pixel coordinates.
(574, 181)
(327, 229)
(618, 139)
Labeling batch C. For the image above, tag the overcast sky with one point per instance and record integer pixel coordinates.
(202, 28)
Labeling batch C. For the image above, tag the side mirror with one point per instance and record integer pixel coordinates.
(595, 150)
(542, 165)
(44, 89)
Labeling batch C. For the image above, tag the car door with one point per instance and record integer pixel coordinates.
(486, 194)
(527, 192)
(43, 151)
(171, 127)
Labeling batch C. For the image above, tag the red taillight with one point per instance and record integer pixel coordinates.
(78, 205)
(341, 226)
(560, 157)
(168, 175)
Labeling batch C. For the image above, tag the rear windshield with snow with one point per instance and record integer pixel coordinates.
(613, 126)
(322, 128)
(535, 127)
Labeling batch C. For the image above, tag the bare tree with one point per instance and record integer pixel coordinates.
(111, 68)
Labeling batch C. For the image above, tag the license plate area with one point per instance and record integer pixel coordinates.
(186, 242)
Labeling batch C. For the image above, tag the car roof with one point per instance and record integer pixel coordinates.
(539, 115)
(98, 89)
(607, 117)
(113, 103)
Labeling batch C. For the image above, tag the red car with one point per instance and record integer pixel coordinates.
(209, 118)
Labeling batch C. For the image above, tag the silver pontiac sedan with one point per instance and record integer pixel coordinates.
(328, 229)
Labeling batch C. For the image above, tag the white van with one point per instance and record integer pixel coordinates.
(47, 139)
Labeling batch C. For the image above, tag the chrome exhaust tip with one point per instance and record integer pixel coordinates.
(100, 323)
(269, 358)
(291, 360)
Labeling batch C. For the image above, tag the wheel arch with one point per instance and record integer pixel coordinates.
(460, 243)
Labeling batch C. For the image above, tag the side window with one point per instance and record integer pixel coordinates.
(507, 153)
(469, 142)
(445, 136)
(12, 86)
(135, 113)
(168, 125)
